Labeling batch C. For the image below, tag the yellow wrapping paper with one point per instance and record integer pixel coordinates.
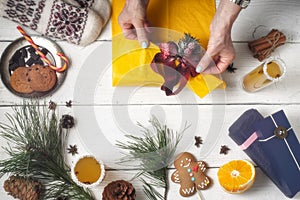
(131, 63)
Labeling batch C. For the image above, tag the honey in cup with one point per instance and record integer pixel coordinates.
(265, 74)
(88, 171)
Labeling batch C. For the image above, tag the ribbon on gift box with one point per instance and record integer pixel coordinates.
(280, 132)
(276, 157)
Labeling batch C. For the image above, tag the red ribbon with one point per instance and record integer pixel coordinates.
(174, 68)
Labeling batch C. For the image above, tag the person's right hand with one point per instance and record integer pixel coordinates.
(133, 21)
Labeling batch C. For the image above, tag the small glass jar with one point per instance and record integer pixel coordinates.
(269, 72)
(88, 172)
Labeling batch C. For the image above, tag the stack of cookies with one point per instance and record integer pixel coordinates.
(36, 78)
(28, 73)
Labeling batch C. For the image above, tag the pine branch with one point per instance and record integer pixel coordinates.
(155, 150)
(36, 144)
(185, 41)
(150, 191)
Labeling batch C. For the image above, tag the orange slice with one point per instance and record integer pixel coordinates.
(236, 176)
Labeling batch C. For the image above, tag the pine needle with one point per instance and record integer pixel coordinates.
(184, 42)
(155, 151)
(36, 145)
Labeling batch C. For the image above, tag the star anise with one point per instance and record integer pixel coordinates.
(231, 69)
(73, 149)
(52, 105)
(69, 103)
(224, 149)
(198, 141)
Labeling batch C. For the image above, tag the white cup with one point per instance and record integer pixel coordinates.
(87, 171)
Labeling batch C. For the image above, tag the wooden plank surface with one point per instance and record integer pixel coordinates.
(205, 126)
(266, 15)
(263, 188)
(105, 113)
(100, 91)
(211, 122)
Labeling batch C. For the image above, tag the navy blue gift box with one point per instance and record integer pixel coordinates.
(272, 144)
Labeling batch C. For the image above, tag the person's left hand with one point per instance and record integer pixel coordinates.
(220, 52)
(219, 55)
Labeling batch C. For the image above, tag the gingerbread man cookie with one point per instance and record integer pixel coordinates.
(189, 174)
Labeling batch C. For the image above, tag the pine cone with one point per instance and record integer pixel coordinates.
(67, 121)
(119, 190)
(23, 188)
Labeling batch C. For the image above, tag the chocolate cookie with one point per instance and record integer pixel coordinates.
(20, 81)
(42, 78)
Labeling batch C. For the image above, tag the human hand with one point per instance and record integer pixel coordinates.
(220, 51)
(133, 21)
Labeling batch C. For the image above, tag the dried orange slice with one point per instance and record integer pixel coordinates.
(236, 176)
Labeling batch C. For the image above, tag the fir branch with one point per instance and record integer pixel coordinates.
(36, 144)
(149, 190)
(184, 42)
(155, 151)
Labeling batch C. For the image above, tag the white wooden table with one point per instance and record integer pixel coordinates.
(100, 108)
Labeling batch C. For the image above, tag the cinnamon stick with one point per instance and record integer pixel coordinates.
(264, 46)
(261, 55)
(262, 39)
(268, 44)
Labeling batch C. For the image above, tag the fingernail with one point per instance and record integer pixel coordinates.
(199, 69)
(144, 44)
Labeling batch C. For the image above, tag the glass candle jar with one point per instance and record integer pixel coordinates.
(88, 171)
(269, 72)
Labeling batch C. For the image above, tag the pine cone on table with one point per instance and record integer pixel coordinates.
(23, 188)
(67, 121)
(119, 190)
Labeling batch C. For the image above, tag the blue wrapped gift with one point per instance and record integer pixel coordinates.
(241, 131)
(272, 144)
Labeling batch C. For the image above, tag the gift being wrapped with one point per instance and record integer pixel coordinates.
(272, 144)
(169, 20)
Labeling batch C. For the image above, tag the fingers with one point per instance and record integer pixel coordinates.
(207, 65)
(217, 63)
(217, 69)
(141, 33)
(128, 31)
(133, 21)
(205, 62)
(136, 31)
